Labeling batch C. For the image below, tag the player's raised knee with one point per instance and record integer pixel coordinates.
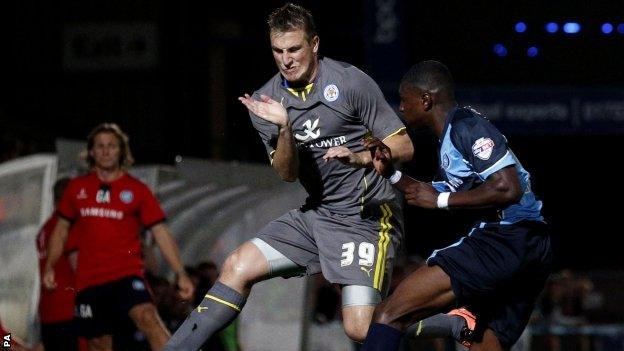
(244, 265)
(236, 266)
(356, 330)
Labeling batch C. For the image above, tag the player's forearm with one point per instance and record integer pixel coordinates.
(168, 247)
(363, 159)
(476, 198)
(404, 182)
(56, 245)
(285, 158)
(401, 149)
(500, 189)
(401, 146)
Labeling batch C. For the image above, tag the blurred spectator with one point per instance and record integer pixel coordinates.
(326, 331)
(327, 302)
(173, 313)
(56, 307)
(568, 298)
(566, 302)
(107, 207)
(209, 272)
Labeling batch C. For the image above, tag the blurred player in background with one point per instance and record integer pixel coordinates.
(56, 307)
(500, 267)
(107, 208)
(312, 117)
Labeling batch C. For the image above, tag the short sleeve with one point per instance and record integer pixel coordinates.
(150, 211)
(66, 207)
(441, 186)
(482, 145)
(370, 105)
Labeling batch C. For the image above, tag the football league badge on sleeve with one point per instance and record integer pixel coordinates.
(482, 148)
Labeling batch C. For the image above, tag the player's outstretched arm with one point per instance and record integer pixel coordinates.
(285, 158)
(400, 145)
(348, 157)
(417, 193)
(500, 189)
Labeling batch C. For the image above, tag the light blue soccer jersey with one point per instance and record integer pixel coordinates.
(471, 150)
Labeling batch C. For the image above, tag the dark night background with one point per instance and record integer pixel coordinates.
(209, 53)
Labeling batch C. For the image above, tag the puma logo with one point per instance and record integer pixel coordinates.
(201, 308)
(368, 271)
(309, 131)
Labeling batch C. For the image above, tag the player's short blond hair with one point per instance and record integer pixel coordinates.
(292, 17)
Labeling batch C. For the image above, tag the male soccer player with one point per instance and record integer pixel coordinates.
(311, 117)
(107, 208)
(56, 307)
(500, 267)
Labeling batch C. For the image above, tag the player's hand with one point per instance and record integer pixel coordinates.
(185, 286)
(381, 156)
(266, 108)
(343, 155)
(49, 280)
(422, 195)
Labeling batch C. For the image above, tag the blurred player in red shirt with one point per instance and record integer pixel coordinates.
(106, 209)
(56, 307)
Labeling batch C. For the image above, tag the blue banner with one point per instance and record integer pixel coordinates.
(549, 110)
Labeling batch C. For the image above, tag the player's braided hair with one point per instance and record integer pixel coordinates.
(430, 75)
(125, 158)
(290, 17)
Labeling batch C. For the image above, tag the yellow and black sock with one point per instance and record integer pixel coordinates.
(219, 308)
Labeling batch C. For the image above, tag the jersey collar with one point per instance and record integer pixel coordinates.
(447, 122)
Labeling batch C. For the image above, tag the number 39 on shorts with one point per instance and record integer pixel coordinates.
(366, 254)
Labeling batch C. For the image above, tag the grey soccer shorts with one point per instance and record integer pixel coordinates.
(347, 249)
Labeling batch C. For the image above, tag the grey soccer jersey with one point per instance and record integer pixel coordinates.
(343, 105)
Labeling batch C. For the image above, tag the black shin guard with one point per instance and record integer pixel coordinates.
(219, 308)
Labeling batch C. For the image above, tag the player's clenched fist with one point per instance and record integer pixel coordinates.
(421, 194)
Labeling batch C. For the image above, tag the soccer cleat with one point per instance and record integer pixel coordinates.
(466, 334)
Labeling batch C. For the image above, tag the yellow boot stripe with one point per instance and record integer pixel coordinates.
(419, 330)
